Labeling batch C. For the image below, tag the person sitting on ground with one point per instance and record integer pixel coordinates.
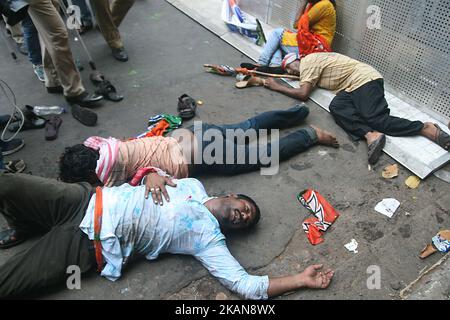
(193, 224)
(112, 162)
(316, 28)
(359, 107)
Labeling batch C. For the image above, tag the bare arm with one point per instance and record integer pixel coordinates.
(310, 278)
(301, 93)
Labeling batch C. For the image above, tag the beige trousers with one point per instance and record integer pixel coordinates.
(57, 58)
(109, 18)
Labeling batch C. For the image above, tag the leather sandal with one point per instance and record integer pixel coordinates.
(250, 81)
(376, 149)
(108, 91)
(186, 107)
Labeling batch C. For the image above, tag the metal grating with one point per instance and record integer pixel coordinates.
(411, 50)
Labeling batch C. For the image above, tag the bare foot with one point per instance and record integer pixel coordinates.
(326, 138)
(372, 136)
(429, 131)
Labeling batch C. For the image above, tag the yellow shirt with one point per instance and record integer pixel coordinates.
(322, 20)
(334, 71)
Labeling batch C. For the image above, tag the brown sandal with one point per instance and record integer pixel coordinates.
(250, 81)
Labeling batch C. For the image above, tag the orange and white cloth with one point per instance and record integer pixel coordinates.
(324, 215)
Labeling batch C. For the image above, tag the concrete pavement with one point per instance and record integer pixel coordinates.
(167, 51)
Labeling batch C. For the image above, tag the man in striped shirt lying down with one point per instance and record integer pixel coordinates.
(192, 223)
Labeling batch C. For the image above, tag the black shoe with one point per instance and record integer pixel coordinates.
(120, 54)
(85, 116)
(85, 99)
(12, 146)
(57, 89)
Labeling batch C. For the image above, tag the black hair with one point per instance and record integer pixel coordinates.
(77, 163)
(257, 211)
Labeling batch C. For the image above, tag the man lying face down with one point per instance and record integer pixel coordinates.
(192, 223)
(112, 162)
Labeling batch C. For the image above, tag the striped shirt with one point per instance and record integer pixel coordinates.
(336, 72)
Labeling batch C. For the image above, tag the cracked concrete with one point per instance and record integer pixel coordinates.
(167, 51)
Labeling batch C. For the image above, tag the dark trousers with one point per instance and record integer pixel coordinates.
(38, 205)
(289, 145)
(366, 109)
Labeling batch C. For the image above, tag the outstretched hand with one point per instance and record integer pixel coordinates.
(271, 83)
(156, 186)
(312, 278)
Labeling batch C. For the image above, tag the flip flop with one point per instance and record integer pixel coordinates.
(10, 238)
(442, 138)
(52, 127)
(186, 107)
(376, 149)
(250, 81)
(85, 116)
(16, 166)
(108, 91)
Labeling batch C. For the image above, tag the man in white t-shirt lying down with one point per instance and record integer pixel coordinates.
(106, 228)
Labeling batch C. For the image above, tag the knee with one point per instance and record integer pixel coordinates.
(278, 32)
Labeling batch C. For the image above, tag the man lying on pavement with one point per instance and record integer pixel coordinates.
(108, 227)
(113, 162)
(359, 107)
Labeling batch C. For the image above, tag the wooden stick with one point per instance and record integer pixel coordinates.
(287, 76)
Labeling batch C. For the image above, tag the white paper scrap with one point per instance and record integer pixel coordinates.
(352, 246)
(387, 207)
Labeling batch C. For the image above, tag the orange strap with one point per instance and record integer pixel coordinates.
(98, 212)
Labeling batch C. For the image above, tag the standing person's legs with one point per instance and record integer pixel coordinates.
(119, 9)
(31, 203)
(31, 39)
(45, 263)
(106, 23)
(58, 62)
(86, 17)
(373, 108)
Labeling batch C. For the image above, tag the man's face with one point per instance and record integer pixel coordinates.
(236, 213)
(293, 68)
